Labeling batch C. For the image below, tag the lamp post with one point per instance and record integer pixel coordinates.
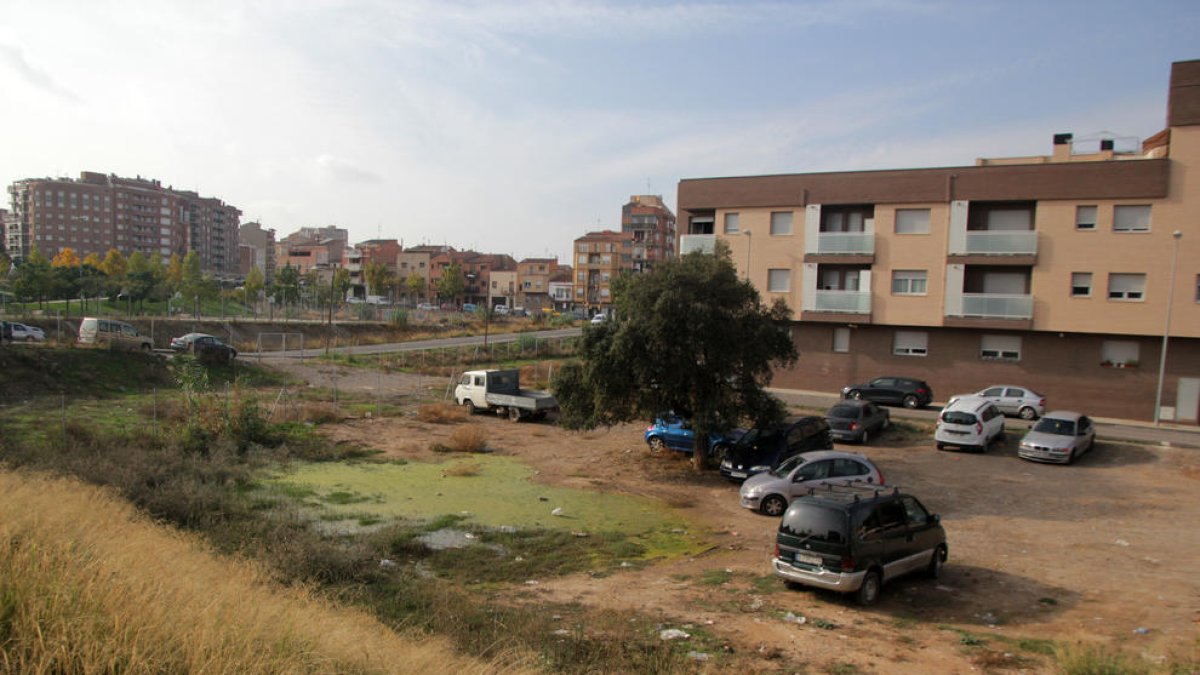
(749, 243)
(1162, 358)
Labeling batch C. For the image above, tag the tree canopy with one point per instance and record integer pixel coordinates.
(451, 284)
(691, 337)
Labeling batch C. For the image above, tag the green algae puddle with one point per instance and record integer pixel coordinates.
(500, 494)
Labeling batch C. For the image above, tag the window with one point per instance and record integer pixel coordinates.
(1081, 284)
(1119, 354)
(781, 222)
(1085, 217)
(841, 339)
(779, 281)
(1131, 218)
(908, 282)
(1000, 348)
(912, 221)
(1126, 287)
(910, 343)
(732, 223)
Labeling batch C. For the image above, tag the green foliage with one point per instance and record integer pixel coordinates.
(689, 336)
(451, 284)
(398, 318)
(287, 285)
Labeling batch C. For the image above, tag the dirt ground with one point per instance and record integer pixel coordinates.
(1102, 552)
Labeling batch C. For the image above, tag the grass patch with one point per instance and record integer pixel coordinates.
(462, 470)
(441, 413)
(1036, 645)
(715, 577)
(1081, 659)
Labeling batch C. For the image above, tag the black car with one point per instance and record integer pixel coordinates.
(854, 538)
(209, 349)
(764, 448)
(903, 391)
(857, 421)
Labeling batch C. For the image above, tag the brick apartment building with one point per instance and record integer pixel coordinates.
(98, 212)
(313, 248)
(599, 258)
(363, 254)
(653, 228)
(1056, 272)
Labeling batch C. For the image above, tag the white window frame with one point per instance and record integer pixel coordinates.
(1119, 353)
(1000, 348)
(841, 340)
(779, 280)
(732, 223)
(1135, 221)
(1076, 278)
(1126, 287)
(782, 223)
(905, 282)
(909, 221)
(910, 343)
(1085, 217)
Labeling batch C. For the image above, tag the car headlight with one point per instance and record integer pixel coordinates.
(759, 467)
(726, 464)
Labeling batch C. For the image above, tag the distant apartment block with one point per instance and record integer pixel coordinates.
(652, 226)
(599, 258)
(1055, 272)
(533, 281)
(98, 212)
(360, 257)
(258, 246)
(313, 248)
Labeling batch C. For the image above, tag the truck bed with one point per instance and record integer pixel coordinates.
(524, 400)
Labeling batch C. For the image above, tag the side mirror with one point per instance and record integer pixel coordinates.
(934, 519)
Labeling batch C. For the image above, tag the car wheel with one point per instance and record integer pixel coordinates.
(655, 443)
(1071, 457)
(935, 563)
(1027, 413)
(774, 505)
(146, 349)
(718, 452)
(910, 402)
(866, 438)
(470, 406)
(941, 445)
(514, 414)
(868, 593)
(854, 394)
(31, 339)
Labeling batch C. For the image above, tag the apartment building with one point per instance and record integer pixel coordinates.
(1058, 272)
(98, 212)
(561, 288)
(417, 261)
(599, 258)
(258, 246)
(652, 226)
(356, 259)
(503, 288)
(533, 281)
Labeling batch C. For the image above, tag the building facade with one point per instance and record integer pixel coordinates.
(1057, 272)
(600, 257)
(533, 283)
(261, 253)
(652, 226)
(98, 212)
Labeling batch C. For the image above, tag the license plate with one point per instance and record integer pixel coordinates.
(738, 474)
(814, 560)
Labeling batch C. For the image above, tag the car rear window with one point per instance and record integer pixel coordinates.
(816, 523)
(958, 417)
(843, 411)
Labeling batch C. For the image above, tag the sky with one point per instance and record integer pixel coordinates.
(515, 127)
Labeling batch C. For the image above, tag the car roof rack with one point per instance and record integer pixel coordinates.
(855, 489)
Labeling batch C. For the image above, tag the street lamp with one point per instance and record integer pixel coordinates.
(1162, 358)
(749, 241)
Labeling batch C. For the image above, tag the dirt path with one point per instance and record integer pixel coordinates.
(1094, 552)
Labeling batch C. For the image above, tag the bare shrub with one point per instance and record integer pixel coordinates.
(468, 439)
(440, 413)
(462, 469)
(680, 501)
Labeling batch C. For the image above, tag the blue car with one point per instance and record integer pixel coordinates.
(675, 433)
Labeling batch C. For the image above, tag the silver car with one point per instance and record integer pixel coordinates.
(1059, 437)
(1012, 400)
(771, 491)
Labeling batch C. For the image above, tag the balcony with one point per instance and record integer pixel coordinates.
(845, 243)
(704, 243)
(845, 302)
(1022, 243)
(989, 310)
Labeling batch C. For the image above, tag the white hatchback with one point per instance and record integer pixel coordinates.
(969, 422)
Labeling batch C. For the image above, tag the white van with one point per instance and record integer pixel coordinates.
(113, 334)
(969, 422)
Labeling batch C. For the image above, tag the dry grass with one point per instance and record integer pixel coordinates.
(462, 469)
(468, 439)
(92, 586)
(441, 413)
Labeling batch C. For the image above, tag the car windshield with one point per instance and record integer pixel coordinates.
(843, 411)
(1049, 425)
(815, 523)
(958, 417)
(787, 466)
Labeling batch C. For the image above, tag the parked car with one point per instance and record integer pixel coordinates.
(903, 391)
(25, 333)
(857, 421)
(183, 343)
(469, 307)
(427, 306)
(764, 448)
(969, 422)
(209, 348)
(675, 432)
(112, 334)
(599, 319)
(500, 310)
(1059, 437)
(1021, 402)
(771, 491)
(855, 538)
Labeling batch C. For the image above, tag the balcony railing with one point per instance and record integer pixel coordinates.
(1002, 243)
(996, 305)
(850, 302)
(846, 243)
(705, 243)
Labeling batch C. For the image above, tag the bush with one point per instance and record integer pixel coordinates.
(440, 413)
(468, 439)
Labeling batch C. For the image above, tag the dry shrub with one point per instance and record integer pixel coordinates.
(468, 439)
(318, 413)
(441, 413)
(462, 469)
(680, 501)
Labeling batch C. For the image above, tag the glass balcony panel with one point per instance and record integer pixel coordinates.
(995, 305)
(850, 302)
(849, 243)
(1002, 243)
(705, 243)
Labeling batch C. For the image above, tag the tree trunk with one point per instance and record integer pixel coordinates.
(700, 451)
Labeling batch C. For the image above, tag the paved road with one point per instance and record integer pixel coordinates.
(1106, 428)
(417, 345)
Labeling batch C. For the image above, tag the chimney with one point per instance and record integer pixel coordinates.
(1062, 148)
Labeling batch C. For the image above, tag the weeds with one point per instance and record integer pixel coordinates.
(462, 470)
(1081, 659)
(468, 439)
(441, 413)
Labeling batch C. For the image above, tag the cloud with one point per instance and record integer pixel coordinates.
(15, 59)
(339, 170)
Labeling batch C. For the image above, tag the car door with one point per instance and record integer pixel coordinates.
(924, 534)
(844, 468)
(1014, 398)
(874, 417)
(1086, 432)
(809, 475)
(678, 433)
(898, 543)
(995, 395)
(882, 389)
